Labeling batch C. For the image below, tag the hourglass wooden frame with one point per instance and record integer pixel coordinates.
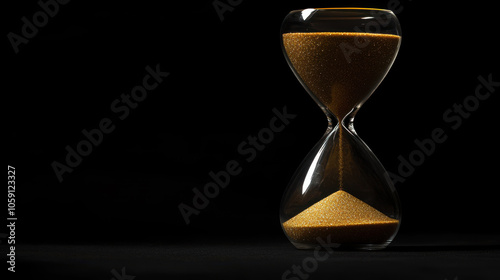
(340, 196)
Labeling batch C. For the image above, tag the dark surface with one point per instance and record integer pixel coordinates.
(409, 257)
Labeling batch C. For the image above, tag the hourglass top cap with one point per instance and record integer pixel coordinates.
(350, 19)
(346, 8)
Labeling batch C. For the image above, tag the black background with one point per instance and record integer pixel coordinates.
(225, 79)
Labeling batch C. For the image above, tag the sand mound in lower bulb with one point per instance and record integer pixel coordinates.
(343, 219)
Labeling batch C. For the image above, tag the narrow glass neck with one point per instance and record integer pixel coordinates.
(347, 122)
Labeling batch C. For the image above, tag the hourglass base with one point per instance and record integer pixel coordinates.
(341, 247)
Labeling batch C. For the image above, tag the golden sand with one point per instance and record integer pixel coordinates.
(341, 218)
(341, 68)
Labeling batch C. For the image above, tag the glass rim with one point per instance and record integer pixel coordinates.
(345, 8)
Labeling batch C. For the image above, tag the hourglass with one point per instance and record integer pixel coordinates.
(340, 196)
